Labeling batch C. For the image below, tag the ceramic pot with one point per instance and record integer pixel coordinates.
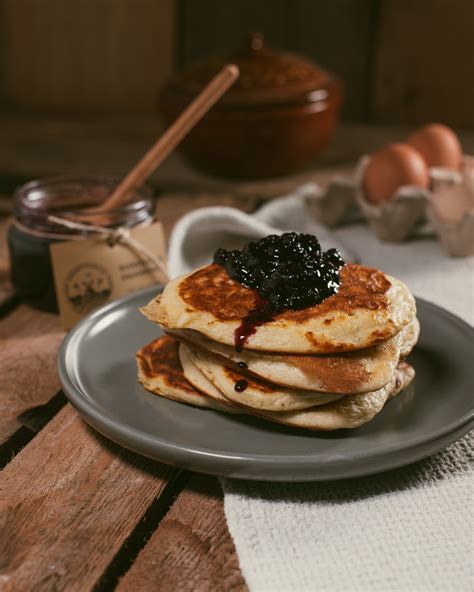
(275, 120)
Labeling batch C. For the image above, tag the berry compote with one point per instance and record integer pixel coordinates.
(289, 271)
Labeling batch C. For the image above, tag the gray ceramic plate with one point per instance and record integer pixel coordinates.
(97, 369)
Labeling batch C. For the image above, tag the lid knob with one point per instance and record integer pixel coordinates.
(255, 41)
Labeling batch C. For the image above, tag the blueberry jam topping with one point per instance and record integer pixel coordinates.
(288, 271)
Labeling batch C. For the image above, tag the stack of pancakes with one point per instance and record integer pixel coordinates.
(329, 366)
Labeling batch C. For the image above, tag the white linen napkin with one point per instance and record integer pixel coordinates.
(199, 233)
(407, 530)
(410, 529)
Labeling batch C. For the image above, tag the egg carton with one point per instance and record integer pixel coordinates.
(407, 213)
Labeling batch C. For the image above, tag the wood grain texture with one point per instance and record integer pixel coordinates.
(101, 55)
(69, 501)
(192, 550)
(424, 65)
(339, 35)
(29, 342)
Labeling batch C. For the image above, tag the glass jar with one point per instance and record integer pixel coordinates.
(31, 233)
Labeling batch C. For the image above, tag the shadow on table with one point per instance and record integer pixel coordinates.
(454, 460)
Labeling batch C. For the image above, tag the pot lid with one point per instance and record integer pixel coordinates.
(267, 76)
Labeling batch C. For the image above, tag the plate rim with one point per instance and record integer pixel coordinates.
(140, 440)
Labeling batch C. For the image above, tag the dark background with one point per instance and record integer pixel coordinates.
(401, 61)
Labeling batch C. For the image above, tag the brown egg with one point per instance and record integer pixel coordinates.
(438, 145)
(392, 167)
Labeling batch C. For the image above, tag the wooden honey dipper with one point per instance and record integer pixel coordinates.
(165, 144)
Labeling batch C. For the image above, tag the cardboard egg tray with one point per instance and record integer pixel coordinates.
(398, 219)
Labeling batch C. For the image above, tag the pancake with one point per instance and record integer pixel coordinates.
(347, 412)
(161, 373)
(257, 394)
(353, 372)
(370, 307)
(197, 379)
(409, 338)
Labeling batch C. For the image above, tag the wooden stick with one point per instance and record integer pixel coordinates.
(172, 136)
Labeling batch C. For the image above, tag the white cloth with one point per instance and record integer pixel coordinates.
(410, 529)
(405, 530)
(199, 233)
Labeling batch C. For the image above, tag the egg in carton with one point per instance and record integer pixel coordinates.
(451, 207)
(395, 219)
(402, 185)
(391, 220)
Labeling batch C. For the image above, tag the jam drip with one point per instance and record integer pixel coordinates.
(240, 386)
(257, 317)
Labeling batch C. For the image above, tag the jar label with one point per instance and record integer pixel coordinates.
(91, 272)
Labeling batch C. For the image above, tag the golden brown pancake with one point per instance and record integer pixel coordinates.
(160, 372)
(370, 307)
(348, 412)
(352, 372)
(194, 376)
(411, 334)
(257, 394)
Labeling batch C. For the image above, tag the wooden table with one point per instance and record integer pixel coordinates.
(79, 512)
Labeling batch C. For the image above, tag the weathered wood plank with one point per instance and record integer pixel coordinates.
(128, 54)
(192, 550)
(70, 500)
(424, 63)
(29, 342)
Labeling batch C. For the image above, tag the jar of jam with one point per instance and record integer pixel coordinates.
(32, 232)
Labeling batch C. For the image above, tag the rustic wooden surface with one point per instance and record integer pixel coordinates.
(71, 501)
(78, 512)
(103, 56)
(424, 66)
(29, 341)
(194, 536)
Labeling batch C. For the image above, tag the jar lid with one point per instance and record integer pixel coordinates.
(267, 76)
(67, 196)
